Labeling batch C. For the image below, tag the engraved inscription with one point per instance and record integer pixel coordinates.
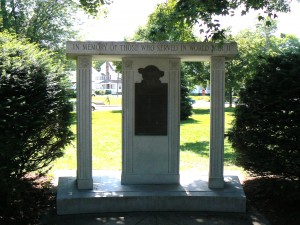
(150, 48)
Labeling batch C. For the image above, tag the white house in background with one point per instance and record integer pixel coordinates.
(107, 79)
(200, 90)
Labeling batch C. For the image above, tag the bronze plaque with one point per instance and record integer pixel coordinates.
(151, 103)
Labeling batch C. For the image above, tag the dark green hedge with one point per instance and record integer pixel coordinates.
(34, 109)
(266, 129)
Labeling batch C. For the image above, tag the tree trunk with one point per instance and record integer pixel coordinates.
(4, 15)
(230, 97)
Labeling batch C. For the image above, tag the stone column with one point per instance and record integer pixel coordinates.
(217, 95)
(84, 123)
(174, 116)
(127, 116)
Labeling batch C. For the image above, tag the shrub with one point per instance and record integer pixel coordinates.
(185, 103)
(266, 129)
(100, 92)
(34, 110)
(107, 92)
(72, 93)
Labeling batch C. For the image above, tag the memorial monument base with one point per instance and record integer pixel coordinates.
(109, 195)
(149, 179)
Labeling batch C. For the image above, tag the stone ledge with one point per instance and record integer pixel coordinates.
(109, 195)
(128, 179)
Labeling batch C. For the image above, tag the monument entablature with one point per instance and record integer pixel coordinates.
(186, 51)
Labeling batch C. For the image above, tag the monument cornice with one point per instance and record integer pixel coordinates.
(186, 51)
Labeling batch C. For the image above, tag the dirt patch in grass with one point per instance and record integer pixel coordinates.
(278, 199)
(26, 201)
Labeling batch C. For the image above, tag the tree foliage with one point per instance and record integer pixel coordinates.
(159, 28)
(46, 22)
(94, 7)
(195, 73)
(185, 104)
(266, 129)
(34, 109)
(194, 10)
(253, 47)
(204, 12)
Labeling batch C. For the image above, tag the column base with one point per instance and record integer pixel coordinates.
(84, 184)
(216, 182)
(150, 179)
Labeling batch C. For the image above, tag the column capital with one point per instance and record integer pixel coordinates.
(84, 61)
(218, 62)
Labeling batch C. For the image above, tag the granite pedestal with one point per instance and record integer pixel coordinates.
(108, 195)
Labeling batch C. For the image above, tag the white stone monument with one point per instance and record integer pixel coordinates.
(150, 141)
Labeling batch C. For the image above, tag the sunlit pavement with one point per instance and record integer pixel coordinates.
(204, 104)
(107, 108)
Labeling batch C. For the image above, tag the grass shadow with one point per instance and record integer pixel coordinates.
(202, 148)
(189, 121)
(229, 158)
(230, 109)
(207, 111)
(201, 111)
(116, 111)
(199, 147)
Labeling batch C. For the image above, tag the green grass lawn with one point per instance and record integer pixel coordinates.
(113, 99)
(107, 153)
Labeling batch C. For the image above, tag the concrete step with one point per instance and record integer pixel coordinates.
(108, 195)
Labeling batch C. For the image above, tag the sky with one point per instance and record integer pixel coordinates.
(125, 16)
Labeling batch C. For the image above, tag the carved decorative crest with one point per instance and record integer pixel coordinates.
(151, 75)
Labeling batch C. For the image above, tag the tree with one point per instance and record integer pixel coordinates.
(161, 28)
(266, 132)
(185, 104)
(195, 73)
(195, 11)
(203, 12)
(253, 47)
(94, 7)
(46, 22)
(158, 28)
(34, 110)
(251, 50)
